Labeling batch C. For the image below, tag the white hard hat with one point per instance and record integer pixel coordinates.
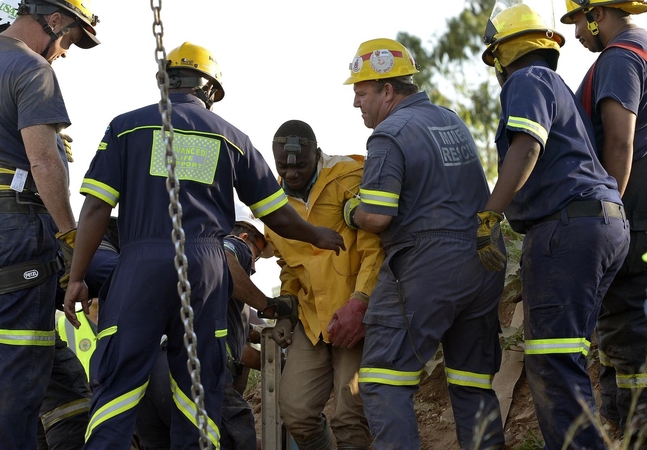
(8, 11)
(245, 215)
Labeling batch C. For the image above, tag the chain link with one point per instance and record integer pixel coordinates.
(175, 211)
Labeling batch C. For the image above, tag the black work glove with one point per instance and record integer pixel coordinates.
(284, 306)
(282, 332)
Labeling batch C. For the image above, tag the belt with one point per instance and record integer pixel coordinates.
(589, 208)
(9, 205)
(30, 185)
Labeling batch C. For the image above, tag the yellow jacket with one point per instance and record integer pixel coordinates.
(322, 280)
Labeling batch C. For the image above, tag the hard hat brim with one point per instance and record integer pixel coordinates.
(488, 57)
(88, 40)
(568, 17)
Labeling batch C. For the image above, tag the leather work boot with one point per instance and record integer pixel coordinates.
(322, 441)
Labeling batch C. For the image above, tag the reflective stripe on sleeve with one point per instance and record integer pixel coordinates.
(527, 124)
(379, 198)
(100, 190)
(269, 204)
(388, 376)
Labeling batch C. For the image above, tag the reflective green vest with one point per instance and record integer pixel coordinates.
(82, 341)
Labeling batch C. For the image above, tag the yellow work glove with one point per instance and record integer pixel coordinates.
(487, 240)
(67, 248)
(68, 148)
(348, 211)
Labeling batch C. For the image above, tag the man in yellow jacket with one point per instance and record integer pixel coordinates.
(333, 292)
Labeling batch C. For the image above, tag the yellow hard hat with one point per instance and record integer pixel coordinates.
(517, 31)
(194, 57)
(573, 6)
(79, 9)
(381, 58)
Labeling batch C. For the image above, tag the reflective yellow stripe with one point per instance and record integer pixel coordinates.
(27, 337)
(527, 124)
(379, 198)
(189, 132)
(553, 346)
(6, 187)
(80, 406)
(633, 381)
(231, 248)
(604, 359)
(100, 190)
(102, 146)
(221, 333)
(269, 204)
(462, 378)
(388, 376)
(112, 409)
(107, 332)
(190, 411)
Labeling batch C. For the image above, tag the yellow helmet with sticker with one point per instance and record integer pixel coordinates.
(382, 58)
(194, 57)
(574, 6)
(516, 31)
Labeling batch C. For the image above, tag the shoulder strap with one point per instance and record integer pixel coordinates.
(587, 92)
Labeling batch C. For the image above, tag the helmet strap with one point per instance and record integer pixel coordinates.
(205, 93)
(202, 88)
(50, 32)
(593, 27)
(499, 68)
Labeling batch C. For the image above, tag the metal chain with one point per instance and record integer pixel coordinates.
(175, 211)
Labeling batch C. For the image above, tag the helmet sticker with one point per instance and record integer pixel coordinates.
(187, 62)
(382, 61)
(357, 64)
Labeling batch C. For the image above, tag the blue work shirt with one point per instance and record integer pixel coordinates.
(535, 100)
